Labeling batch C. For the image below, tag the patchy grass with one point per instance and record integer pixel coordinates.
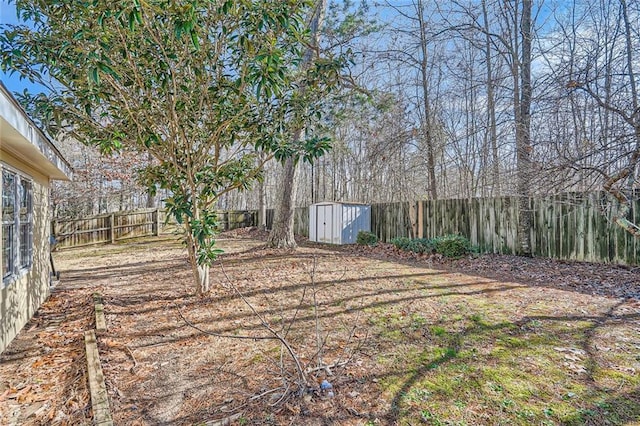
(429, 346)
(471, 370)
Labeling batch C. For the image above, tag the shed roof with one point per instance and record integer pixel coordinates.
(23, 139)
(326, 203)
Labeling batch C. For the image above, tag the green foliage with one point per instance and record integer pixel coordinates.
(453, 246)
(203, 230)
(416, 245)
(209, 90)
(401, 242)
(421, 245)
(366, 238)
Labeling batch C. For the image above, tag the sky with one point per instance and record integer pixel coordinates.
(13, 82)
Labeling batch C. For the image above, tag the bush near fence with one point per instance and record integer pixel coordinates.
(573, 226)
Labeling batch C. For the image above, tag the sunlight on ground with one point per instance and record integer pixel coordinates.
(424, 346)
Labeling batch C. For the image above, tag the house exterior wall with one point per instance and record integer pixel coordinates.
(21, 296)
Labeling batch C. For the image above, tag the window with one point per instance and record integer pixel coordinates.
(25, 195)
(17, 224)
(8, 223)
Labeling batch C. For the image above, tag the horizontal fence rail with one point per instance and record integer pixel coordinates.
(575, 226)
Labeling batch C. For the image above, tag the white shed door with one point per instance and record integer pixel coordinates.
(324, 223)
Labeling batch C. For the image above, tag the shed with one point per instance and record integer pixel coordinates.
(28, 162)
(338, 223)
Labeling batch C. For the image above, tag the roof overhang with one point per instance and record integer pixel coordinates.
(21, 138)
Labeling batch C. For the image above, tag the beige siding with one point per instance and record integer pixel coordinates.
(19, 299)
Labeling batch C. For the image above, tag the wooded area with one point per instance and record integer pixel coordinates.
(439, 108)
(515, 124)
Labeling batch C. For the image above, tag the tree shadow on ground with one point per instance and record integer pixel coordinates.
(616, 409)
(134, 303)
(581, 277)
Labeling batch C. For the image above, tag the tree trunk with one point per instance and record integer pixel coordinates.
(151, 199)
(200, 272)
(523, 134)
(428, 134)
(281, 235)
(262, 207)
(203, 279)
(491, 106)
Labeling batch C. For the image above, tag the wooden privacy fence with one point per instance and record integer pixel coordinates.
(490, 223)
(391, 220)
(567, 227)
(109, 228)
(106, 228)
(579, 227)
(573, 226)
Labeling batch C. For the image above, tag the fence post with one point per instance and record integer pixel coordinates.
(420, 219)
(112, 228)
(156, 220)
(413, 218)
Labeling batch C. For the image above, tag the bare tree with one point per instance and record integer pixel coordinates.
(492, 134)
(413, 43)
(602, 68)
(522, 105)
(428, 115)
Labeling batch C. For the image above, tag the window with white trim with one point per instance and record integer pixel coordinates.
(17, 224)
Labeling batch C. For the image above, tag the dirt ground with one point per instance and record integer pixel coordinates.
(393, 328)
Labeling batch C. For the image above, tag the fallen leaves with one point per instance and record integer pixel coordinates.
(574, 359)
(42, 371)
(201, 373)
(589, 278)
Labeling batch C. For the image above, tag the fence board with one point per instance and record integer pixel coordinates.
(301, 221)
(391, 220)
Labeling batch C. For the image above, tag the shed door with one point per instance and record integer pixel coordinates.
(324, 223)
